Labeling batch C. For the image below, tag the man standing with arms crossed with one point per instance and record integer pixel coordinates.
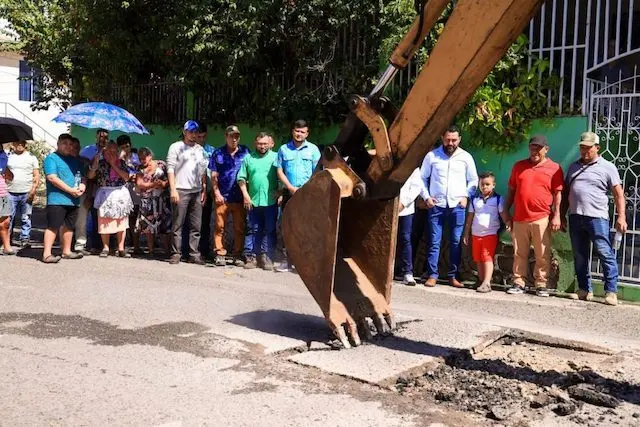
(450, 179)
(296, 162)
(586, 198)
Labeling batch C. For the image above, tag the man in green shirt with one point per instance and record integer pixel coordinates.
(258, 182)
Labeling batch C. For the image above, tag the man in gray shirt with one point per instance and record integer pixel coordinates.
(186, 169)
(587, 185)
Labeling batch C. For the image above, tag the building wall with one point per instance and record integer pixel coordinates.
(11, 106)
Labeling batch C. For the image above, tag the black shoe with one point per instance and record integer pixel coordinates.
(196, 260)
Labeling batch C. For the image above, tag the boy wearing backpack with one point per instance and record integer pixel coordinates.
(485, 220)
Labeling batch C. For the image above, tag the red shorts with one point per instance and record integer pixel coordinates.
(484, 248)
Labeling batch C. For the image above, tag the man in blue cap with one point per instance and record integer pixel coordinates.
(186, 167)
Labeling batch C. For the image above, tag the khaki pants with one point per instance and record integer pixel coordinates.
(239, 215)
(538, 234)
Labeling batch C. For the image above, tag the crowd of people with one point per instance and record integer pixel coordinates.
(109, 195)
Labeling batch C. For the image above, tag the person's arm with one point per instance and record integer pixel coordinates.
(36, 180)
(472, 181)
(58, 183)
(285, 181)
(621, 208)
(425, 174)
(505, 215)
(556, 223)
(172, 160)
(8, 175)
(217, 195)
(248, 203)
(143, 185)
(557, 185)
(467, 227)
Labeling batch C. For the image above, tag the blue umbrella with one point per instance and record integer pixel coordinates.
(100, 115)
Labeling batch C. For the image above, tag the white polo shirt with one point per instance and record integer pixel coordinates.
(486, 218)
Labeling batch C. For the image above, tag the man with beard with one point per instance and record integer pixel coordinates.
(258, 182)
(450, 179)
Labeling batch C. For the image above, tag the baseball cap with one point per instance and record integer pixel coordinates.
(589, 139)
(191, 126)
(540, 140)
(232, 129)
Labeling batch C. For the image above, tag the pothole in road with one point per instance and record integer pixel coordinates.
(519, 380)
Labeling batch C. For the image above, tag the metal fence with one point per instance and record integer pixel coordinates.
(577, 37)
(153, 103)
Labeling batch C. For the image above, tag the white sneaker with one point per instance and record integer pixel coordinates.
(283, 267)
(409, 280)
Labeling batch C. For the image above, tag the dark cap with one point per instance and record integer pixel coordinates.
(540, 140)
(232, 129)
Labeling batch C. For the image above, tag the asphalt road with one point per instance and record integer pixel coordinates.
(141, 342)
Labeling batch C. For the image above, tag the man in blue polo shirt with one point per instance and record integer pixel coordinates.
(224, 165)
(295, 163)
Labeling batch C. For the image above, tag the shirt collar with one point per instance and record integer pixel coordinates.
(292, 145)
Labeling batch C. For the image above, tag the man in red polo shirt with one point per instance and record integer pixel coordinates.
(535, 190)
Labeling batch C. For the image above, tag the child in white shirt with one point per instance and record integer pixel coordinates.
(485, 219)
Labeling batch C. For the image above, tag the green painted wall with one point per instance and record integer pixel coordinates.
(163, 136)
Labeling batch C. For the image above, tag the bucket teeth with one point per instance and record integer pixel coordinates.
(343, 251)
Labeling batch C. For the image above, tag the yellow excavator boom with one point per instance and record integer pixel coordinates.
(340, 227)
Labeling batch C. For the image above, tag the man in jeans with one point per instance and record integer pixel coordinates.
(587, 185)
(22, 190)
(186, 170)
(450, 179)
(535, 189)
(224, 165)
(259, 185)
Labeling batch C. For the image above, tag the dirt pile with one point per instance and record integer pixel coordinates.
(518, 386)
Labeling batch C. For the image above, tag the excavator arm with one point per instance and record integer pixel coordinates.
(340, 227)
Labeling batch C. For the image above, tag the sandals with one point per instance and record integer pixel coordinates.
(51, 259)
(123, 254)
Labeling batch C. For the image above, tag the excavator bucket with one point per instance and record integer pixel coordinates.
(343, 249)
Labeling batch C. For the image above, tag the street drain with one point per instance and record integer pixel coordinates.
(517, 377)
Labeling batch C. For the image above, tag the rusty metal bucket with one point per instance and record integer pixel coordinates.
(343, 249)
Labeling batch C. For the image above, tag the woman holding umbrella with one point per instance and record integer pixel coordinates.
(113, 200)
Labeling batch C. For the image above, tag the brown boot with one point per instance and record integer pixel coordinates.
(431, 282)
(455, 283)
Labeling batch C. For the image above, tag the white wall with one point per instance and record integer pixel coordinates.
(11, 106)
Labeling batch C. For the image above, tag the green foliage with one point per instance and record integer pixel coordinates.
(500, 113)
(262, 62)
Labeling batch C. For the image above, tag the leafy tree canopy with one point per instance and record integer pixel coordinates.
(262, 61)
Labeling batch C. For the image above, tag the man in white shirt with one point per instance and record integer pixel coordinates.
(22, 190)
(186, 168)
(450, 178)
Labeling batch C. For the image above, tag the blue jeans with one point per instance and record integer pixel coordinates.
(21, 208)
(436, 219)
(583, 231)
(404, 254)
(262, 223)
